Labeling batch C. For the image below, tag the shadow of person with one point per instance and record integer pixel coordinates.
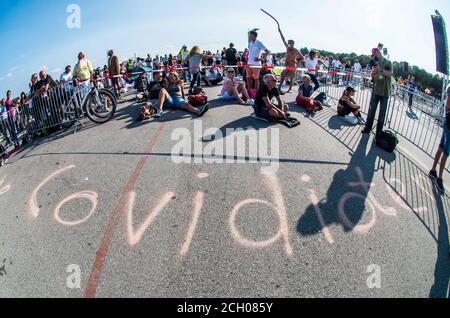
(440, 288)
(244, 123)
(356, 179)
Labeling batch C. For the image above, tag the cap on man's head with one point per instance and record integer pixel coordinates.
(291, 42)
(375, 51)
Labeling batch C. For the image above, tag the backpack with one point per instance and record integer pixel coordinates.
(387, 141)
(197, 100)
(147, 112)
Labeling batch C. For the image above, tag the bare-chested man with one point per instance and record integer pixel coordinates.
(292, 57)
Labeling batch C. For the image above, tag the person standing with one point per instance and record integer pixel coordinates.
(382, 73)
(195, 59)
(293, 56)
(83, 70)
(183, 58)
(411, 86)
(4, 122)
(231, 55)
(357, 72)
(10, 109)
(444, 148)
(256, 50)
(311, 63)
(114, 72)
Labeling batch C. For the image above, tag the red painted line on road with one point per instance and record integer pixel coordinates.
(102, 253)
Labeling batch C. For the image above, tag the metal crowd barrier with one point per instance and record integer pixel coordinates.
(12, 131)
(417, 118)
(43, 114)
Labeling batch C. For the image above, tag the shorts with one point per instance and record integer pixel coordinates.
(227, 96)
(289, 74)
(174, 102)
(445, 141)
(253, 73)
(305, 102)
(263, 112)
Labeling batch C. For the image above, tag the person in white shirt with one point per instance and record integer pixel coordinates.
(66, 79)
(256, 51)
(337, 65)
(269, 59)
(311, 63)
(357, 69)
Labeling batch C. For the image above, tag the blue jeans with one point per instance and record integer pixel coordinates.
(445, 141)
(383, 101)
(314, 80)
(174, 102)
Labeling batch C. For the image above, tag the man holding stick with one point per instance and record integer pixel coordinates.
(292, 57)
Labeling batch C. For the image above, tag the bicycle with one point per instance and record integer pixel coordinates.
(99, 105)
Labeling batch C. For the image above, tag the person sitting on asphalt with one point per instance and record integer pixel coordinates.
(174, 98)
(154, 89)
(213, 76)
(264, 106)
(232, 87)
(347, 105)
(304, 98)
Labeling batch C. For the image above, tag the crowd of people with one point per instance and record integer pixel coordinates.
(243, 77)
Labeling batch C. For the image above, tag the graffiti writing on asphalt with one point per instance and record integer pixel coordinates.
(271, 183)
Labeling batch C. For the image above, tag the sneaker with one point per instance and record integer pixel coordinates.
(433, 175)
(361, 121)
(250, 102)
(440, 185)
(159, 114)
(204, 109)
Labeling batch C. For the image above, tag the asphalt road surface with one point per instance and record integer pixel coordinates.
(336, 218)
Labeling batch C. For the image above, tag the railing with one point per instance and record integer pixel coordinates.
(417, 118)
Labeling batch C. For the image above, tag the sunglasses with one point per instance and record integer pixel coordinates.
(230, 72)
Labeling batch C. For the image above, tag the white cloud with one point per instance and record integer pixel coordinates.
(9, 75)
(56, 70)
(43, 68)
(14, 68)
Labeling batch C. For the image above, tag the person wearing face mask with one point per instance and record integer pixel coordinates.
(293, 56)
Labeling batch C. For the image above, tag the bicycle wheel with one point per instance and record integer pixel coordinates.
(101, 109)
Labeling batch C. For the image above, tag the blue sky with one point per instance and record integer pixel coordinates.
(34, 33)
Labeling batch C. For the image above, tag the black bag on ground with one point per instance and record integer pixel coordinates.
(387, 141)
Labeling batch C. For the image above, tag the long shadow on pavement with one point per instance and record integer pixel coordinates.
(405, 178)
(419, 194)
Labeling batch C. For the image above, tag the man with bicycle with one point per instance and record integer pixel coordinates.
(82, 75)
(83, 71)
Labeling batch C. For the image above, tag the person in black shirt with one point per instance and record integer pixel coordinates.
(154, 90)
(264, 106)
(45, 83)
